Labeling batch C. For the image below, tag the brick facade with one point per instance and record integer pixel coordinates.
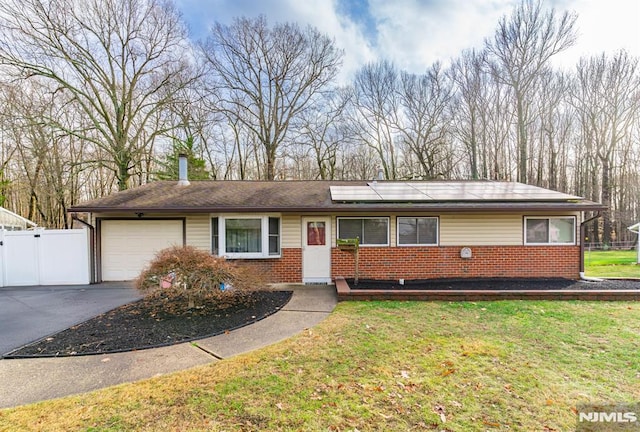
(432, 262)
(286, 269)
(445, 262)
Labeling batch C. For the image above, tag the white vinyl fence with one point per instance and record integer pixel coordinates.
(44, 257)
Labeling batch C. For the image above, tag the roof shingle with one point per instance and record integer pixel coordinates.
(300, 196)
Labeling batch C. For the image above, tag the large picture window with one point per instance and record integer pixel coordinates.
(417, 231)
(372, 231)
(243, 235)
(550, 230)
(246, 237)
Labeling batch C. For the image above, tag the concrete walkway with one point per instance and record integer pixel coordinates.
(24, 381)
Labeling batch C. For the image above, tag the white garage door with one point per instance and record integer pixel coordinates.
(127, 246)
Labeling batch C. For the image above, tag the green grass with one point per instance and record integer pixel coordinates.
(618, 263)
(387, 366)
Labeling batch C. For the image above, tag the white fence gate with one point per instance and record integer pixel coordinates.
(44, 257)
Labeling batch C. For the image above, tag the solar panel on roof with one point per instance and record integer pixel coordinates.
(353, 193)
(405, 196)
(445, 191)
(451, 195)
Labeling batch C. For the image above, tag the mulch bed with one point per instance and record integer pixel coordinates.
(493, 284)
(157, 320)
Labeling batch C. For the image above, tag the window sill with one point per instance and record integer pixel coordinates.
(550, 244)
(250, 256)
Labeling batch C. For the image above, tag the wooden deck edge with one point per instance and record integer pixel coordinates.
(346, 293)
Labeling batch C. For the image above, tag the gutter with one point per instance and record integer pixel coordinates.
(636, 229)
(335, 208)
(582, 234)
(92, 243)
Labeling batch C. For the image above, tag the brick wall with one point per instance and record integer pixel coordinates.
(288, 268)
(432, 262)
(445, 262)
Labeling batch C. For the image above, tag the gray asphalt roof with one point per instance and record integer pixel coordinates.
(316, 196)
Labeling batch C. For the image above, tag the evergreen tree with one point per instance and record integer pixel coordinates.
(169, 162)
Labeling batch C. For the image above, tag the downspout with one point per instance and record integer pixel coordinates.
(636, 230)
(582, 235)
(92, 261)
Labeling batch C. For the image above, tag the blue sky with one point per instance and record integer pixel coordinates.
(415, 33)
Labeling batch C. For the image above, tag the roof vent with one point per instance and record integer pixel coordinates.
(183, 175)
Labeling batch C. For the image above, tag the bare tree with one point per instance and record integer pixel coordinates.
(555, 128)
(608, 100)
(322, 129)
(357, 162)
(46, 172)
(120, 60)
(242, 154)
(626, 198)
(271, 74)
(470, 83)
(519, 52)
(7, 146)
(195, 123)
(482, 118)
(424, 126)
(376, 111)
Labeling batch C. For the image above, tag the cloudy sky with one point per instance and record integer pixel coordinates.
(416, 33)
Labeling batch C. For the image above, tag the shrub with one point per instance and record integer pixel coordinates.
(181, 270)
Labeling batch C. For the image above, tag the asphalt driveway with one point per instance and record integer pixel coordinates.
(31, 313)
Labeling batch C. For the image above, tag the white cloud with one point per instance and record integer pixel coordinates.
(347, 35)
(416, 33)
(604, 27)
(318, 13)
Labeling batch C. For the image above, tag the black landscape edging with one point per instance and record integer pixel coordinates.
(491, 284)
(623, 289)
(8, 356)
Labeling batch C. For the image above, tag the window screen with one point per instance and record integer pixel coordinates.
(417, 230)
(370, 231)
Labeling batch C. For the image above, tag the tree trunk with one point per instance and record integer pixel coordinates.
(474, 149)
(522, 141)
(123, 176)
(271, 167)
(606, 200)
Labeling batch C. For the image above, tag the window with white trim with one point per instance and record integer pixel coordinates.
(372, 231)
(417, 231)
(550, 230)
(246, 236)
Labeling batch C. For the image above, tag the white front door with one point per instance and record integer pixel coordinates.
(316, 250)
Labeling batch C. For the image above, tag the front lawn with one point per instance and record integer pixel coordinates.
(388, 366)
(612, 263)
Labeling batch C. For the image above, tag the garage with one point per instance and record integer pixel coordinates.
(127, 246)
